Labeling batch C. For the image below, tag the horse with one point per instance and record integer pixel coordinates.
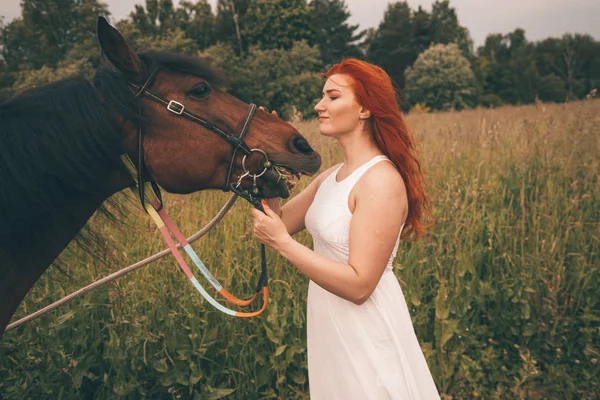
(61, 146)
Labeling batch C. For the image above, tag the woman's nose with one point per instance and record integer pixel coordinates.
(319, 106)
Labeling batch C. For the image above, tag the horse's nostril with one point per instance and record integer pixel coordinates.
(299, 144)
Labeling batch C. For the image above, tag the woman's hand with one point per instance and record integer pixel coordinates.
(269, 229)
(273, 112)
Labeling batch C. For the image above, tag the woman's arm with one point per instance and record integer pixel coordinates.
(380, 208)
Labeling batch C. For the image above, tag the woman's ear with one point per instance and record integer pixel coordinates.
(364, 113)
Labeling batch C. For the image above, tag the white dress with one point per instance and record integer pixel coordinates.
(367, 351)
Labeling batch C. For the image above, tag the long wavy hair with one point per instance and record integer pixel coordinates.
(375, 91)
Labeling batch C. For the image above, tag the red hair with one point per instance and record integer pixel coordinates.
(375, 91)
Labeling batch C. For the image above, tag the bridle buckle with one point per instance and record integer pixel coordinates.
(175, 107)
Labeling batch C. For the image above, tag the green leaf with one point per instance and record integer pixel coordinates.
(182, 379)
(219, 393)
(526, 311)
(167, 380)
(448, 330)
(414, 299)
(272, 337)
(298, 377)
(63, 318)
(161, 366)
(280, 350)
(195, 377)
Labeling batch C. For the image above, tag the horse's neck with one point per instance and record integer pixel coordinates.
(21, 269)
(7, 296)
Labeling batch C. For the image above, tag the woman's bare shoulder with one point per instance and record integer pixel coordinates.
(382, 179)
(383, 174)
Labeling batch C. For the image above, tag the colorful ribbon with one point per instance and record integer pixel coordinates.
(166, 226)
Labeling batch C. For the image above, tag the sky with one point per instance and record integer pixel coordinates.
(539, 18)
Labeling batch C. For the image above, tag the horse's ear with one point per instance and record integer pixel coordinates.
(118, 51)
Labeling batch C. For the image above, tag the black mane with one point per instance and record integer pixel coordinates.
(57, 141)
(185, 64)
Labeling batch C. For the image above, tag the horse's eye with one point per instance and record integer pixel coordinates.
(201, 90)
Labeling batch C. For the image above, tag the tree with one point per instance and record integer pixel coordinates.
(552, 88)
(391, 48)
(334, 36)
(277, 24)
(6, 80)
(172, 40)
(84, 57)
(506, 68)
(521, 65)
(197, 21)
(369, 38)
(230, 15)
(575, 59)
(445, 28)
(404, 34)
(441, 79)
(276, 78)
(47, 31)
(159, 18)
(144, 19)
(422, 35)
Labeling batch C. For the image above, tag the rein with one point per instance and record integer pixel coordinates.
(166, 226)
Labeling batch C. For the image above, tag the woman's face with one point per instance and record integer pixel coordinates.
(338, 110)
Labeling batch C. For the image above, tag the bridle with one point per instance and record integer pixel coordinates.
(152, 202)
(237, 141)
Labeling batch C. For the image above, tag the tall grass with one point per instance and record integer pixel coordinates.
(504, 294)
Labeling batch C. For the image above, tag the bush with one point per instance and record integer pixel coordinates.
(441, 78)
(491, 100)
(420, 108)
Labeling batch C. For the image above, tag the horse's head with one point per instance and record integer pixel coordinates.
(185, 152)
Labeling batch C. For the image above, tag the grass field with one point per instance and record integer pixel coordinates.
(505, 294)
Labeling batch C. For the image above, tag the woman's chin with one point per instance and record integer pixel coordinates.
(326, 132)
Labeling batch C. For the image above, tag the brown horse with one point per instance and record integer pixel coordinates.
(60, 148)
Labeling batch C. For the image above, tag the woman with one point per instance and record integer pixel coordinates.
(361, 342)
